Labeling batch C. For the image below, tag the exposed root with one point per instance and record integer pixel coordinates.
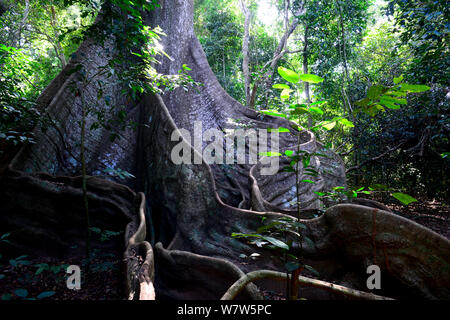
(140, 274)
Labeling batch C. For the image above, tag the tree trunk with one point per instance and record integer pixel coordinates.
(195, 207)
(245, 60)
(3, 7)
(56, 43)
(15, 41)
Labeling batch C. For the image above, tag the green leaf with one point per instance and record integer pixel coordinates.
(393, 100)
(297, 105)
(298, 225)
(244, 235)
(414, 87)
(312, 270)
(6, 296)
(288, 75)
(95, 230)
(280, 129)
(267, 227)
(273, 113)
(311, 78)
(5, 235)
(41, 267)
(185, 67)
(329, 125)
(363, 102)
(285, 94)
(375, 91)
(299, 110)
(389, 104)
(280, 86)
(23, 293)
(291, 266)
(289, 153)
(404, 198)
(396, 93)
(45, 294)
(288, 169)
(276, 242)
(270, 154)
(445, 155)
(398, 80)
(306, 161)
(346, 123)
(318, 103)
(378, 186)
(316, 110)
(308, 181)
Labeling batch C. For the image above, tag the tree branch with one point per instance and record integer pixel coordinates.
(240, 284)
(390, 150)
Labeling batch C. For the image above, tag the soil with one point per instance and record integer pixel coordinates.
(433, 214)
(105, 280)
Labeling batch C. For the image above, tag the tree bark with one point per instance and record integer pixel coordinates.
(245, 62)
(3, 7)
(265, 81)
(15, 41)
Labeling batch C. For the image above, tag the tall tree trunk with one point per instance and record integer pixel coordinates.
(56, 43)
(16, 37)
(306, 70)
(245, 60)
(266, 80)
(3, 7)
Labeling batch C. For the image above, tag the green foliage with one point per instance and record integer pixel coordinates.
(423, 26)
(105, 235)
(17, 112)
(122, 174)
(392, 97)
(19, 261)
(403, 198)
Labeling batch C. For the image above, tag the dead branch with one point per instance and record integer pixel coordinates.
(239, 285)
(387, 152)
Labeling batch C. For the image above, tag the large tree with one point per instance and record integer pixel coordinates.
(192, 209)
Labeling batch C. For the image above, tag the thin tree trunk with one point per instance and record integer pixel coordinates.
(245, 62)
(57, 44)
(306, 70)
(266, 80)
(84, 176)
(15, 41)
(3, 7)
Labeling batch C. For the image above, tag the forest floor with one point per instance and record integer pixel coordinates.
(106, 280)
(432, 214)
